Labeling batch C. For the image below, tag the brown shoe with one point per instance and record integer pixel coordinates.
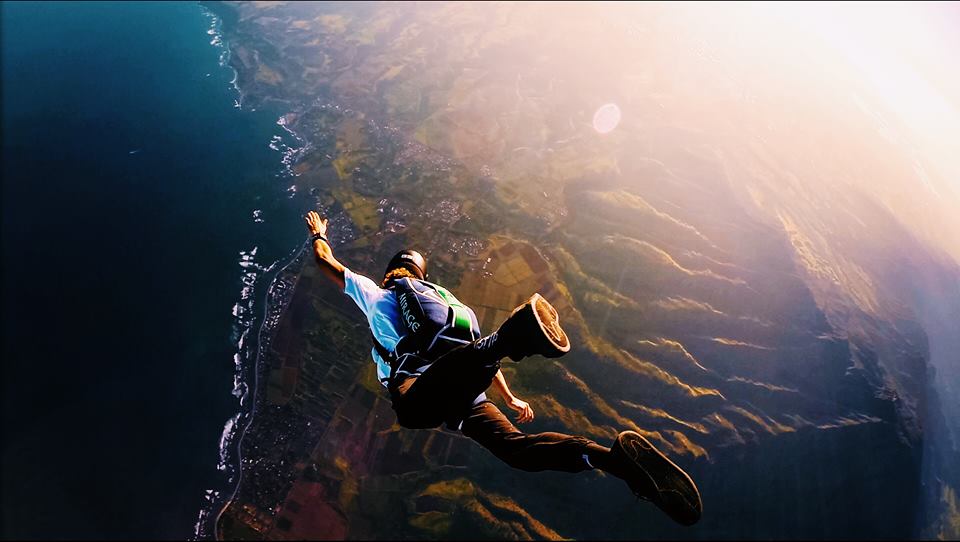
(653, 477)
(533, 328)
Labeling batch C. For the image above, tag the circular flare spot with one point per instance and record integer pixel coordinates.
(606, 118)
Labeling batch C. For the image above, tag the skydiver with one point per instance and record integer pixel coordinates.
(436, 367)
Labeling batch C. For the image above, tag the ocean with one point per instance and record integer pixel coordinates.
(143, 206)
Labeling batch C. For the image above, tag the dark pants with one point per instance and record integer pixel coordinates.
(448, 391)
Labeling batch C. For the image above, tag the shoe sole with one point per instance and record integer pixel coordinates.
(549, 322)
(670, 478)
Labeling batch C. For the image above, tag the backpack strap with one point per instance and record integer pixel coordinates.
(392, 359)
(387, 355)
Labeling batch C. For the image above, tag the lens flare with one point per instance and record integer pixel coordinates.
(606, 119)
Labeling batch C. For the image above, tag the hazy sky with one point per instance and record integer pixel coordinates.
(910, 53)
(907, 54)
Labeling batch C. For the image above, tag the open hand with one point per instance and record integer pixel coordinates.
(522, 408)
(316, 224)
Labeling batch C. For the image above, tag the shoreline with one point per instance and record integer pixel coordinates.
(274, 305)
(203, 529)
(249, 356)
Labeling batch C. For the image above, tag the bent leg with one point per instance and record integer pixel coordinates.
(452, 383)
(488, 426)
(445, 391)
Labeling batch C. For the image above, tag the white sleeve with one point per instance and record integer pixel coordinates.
(363, 291)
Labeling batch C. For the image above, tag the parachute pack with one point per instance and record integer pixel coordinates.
(434, 322)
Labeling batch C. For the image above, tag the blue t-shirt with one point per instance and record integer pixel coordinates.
(382, 312)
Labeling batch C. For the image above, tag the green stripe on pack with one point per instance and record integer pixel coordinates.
(461, 317)
(447, 296)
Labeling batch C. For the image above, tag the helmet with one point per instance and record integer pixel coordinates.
(411, 260)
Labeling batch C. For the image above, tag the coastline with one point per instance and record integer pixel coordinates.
(276, 298)
(247, 358)
(268, 282)
(230, 464)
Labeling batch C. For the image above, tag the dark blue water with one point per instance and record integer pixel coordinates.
(129, 183)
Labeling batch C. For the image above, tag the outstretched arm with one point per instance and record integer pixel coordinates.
(329, 265)
(522, 408)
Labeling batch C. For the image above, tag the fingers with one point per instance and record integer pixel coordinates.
(314, 223)
(523, 410)
(525, 414)
(313, 219)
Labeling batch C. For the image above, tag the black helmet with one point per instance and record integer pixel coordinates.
(411, 260)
